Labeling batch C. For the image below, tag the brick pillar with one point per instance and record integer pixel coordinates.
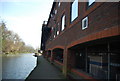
(52, 56)
(47, 54)
(65, 61)
(44, 53)
(71, 59)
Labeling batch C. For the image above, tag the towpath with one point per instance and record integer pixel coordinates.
(45, 70)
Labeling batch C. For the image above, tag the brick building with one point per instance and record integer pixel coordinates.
(82, 39)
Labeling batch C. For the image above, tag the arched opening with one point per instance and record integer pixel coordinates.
(99, 58)
(58, 55)
(78, 57)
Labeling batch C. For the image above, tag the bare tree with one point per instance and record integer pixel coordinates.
(11, 42)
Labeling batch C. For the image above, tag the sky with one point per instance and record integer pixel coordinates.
(25, 17)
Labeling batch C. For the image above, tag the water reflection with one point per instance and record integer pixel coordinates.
(17, 67)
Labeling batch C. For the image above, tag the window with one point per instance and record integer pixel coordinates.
(54, 36)
(55, 11)
(74, 11)
(59, 4)
(52, 29)
(90, 2)
(42, 44)
(51, 15)
(85, 23)
(63, 22)
(58, 29)
(57, 32)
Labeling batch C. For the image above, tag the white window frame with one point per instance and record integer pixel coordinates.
(90, 2)
(74, 10)
(63, 22)
(83, 22)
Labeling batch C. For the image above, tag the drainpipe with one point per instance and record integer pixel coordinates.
(108, 62)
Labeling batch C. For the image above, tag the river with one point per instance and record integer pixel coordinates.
(18, 66)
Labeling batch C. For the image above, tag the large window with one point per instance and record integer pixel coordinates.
(63, 22)
(74, 11)
(90, 2)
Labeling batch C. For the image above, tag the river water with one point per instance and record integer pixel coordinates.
(18, 67)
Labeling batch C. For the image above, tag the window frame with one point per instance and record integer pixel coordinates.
(83, 23)
(54, 33)
(58, 29)
(90, 2)
(73, 15)
(63, 21)
(54, 36)
(58, 32)
(59, 3)
(55, 11)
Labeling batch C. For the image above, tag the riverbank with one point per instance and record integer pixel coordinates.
(14, 54)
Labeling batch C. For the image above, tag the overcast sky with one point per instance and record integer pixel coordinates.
(25, 17)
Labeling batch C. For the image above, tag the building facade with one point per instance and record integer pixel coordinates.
(82, 39)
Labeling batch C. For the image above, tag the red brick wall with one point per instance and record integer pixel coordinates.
(103, 22)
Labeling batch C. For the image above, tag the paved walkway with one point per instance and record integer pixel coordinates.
(45, 70)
